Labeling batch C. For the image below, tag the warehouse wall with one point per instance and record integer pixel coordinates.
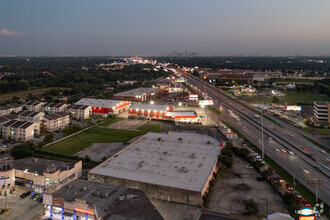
(152, 190)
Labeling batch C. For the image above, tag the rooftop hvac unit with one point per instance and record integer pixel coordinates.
(141, 164)
(208, 142)
(84, 189)
(183, 170)
(193, 155)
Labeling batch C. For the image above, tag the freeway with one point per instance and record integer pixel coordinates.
(313, 159)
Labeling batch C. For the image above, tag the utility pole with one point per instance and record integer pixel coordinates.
(262, 134)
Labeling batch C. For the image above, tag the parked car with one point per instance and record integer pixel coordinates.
(305, 203)
(25, 194)
(289, 187)
(297, 194)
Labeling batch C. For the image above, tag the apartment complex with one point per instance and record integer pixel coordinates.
(55, 121)
(5, 119)
(79, 111)
(20, 130)
(321, 111)
(9, 108)
(35, 106)
(25, 115)
(52, 107)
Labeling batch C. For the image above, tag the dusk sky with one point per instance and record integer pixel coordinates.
(154, 27)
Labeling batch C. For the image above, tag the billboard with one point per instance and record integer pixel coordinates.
(180, 80)
(205, 102)
(193, 97)
(293, 108)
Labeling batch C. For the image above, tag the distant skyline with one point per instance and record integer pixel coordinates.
(154, 27)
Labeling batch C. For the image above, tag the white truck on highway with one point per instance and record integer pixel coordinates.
(257, 116)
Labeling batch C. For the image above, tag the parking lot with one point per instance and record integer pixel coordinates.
(239, 184)
(19, 208)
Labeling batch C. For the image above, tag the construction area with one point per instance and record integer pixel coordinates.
(173, 166)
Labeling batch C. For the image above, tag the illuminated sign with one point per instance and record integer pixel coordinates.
(205, 102)
(306, 217)
(293, 108)
(193, 97)
(84, 211)
(179, 80)
(306, 211)
(58, 202)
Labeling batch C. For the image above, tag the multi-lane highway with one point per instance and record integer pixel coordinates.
(308, 161)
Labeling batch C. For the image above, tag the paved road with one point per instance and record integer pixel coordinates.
(316, 162)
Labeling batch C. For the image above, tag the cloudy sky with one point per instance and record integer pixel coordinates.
(158, 27)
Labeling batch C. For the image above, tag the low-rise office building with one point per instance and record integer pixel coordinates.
(10, 108)
(7, 176)
(35, 106)
(79, 111)
(82, 199)
(26, 115)
(141, 94)
(20, 130)
(321, 111)
(176, 167)
(105, 107)
(55, 121)
(44, 175)
(52, 107)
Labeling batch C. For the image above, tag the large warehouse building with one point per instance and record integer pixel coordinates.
(177, 166)
(141, 94)
(105, 106)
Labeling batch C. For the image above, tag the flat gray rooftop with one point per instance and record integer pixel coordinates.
(179, 160)
(110, 200)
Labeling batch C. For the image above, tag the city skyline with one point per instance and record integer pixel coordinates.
(221, 28)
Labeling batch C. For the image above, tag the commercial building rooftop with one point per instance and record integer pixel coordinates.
(158, 108)
(40, 165)
(111, 202)
(181, 113)
(138, 92)
(99, 103)
(179, 160)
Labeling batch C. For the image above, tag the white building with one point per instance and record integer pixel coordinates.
(30, 116)
(9, 108)
(55, 121)
(20, 130)
(52, 107)
(79, 111)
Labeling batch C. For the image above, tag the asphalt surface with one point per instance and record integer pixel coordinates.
(313, 159)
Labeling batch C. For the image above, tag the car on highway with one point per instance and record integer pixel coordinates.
(284, 151)
(306, 171)
(269, 138)
(276, 129)
(304, 148)
(277, 149)
(305, 203)
(258, 138)
(323, 151)
(249, 167)
(258, 157)
(291, 152)
(291, 135)
(289, 187)
(25, 194)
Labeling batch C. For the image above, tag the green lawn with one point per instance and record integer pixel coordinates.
(110, 121)
(292, 98)
(323, 130)
(98, 134)
(213, 109)
(150, 127)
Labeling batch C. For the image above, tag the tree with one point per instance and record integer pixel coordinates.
(226, 160)
(265, 174)
(251, 207)
(275, 99)
(49, 137)
(23, 150)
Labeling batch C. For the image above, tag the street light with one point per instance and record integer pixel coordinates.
(180, 103)
(152, 102)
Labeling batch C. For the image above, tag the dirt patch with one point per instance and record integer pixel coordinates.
(128, 124)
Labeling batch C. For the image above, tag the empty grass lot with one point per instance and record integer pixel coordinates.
(98, 134)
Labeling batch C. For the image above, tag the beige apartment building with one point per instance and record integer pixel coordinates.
(52, 107)
(55, 121)
(20, 130)
(9, 108)
(25, 115)
(79, 111)
(35, 106)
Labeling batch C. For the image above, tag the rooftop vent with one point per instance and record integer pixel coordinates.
(104, 195)
(96, 193)
(208, 142)
(159, 139)
(193, 155)
(165, 153)
(180, 138)
(141, 164)
(84, 189)
(183, 170)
